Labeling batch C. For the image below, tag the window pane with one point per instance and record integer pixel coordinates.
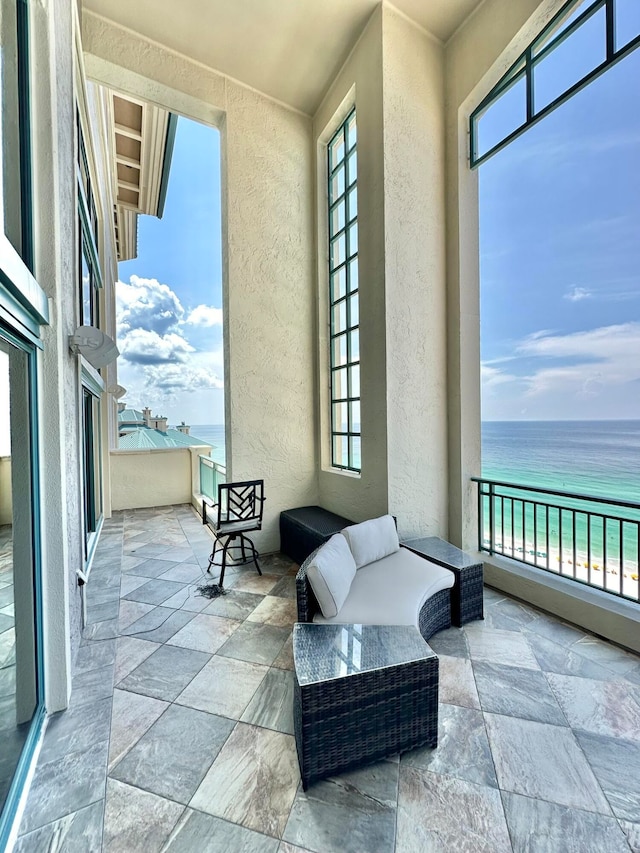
(338, 283)
(340, 423)
(10, 191)
(336, 185)
(336, 151)
(627, 23)
(561, 27)
(340, 450)
(352, 165)
(340, 384)
(338, 251)
(86, 288)
(570, 61)
(340, 350)
(504, 115)
(337, 218)
(353, 239)
(355, 452)
(354, 373)
(339, 318)
(353, 274)
(354, 344)
(355, 416)
(19, 689)
(354, 318)
(352, 200)
(351, 131)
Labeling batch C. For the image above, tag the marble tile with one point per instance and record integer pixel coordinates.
(132, 715)
(106, 630)
(438, 813)
(281, 612)
(130, 652)
(204, 633)
(463, 748)
(159, 624)
(564, 660)
(130, 612)
(614, 658)
(190, 573)
(452, 642)
(88, 687)
(66, 785)
(492, 595)
(498, 646)
(172, 757)
(152, 568)
(256, 643)
(154, 591)
(285, 847)
(166, 673)
(129, 563)
(204, 833)
(136, 821)
(94, 654)
(548, 828)
(539, 760)
(253, 582)
(130, 582)
(253, 781)
(616, 764)
(272, 704)
(517, 693)
(600, 707)
(233, 605)
(285, 588)
(350, 813)
(179, 553)
(224, 686)
(633, 675)
(457, 684)
(188, 599)
(277, 564)
(285, 658)
(76, 729)
(77, 832)
(554, 629)
(632, 832)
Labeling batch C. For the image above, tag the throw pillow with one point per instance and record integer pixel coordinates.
(330, 574)
(372, 540)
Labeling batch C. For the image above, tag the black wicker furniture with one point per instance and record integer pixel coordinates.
(304, 529)
(362, 692)
(467, 593)
(435, 613)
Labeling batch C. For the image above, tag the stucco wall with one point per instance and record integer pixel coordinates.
(6, 516)
(415, 295)
(268, 252)
(360, 82)
(150, 478)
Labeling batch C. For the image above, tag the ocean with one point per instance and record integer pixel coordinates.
(213, 434)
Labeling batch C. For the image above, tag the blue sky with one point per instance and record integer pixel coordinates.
(560, 259)
(169, 298)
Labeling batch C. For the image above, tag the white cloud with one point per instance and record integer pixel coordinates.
(491, 377)
(577, 294)
(205, 315)
(141, 346)
(147, 304)
(172, 379)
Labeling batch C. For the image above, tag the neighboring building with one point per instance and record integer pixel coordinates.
(138, 430)
(386, 419)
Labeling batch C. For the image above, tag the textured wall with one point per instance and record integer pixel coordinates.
(478, 54)
(267, 261)
(415, 294)
(5, 490)
(360, 80)
(150, 478)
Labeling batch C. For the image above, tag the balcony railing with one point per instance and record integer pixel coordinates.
(211, 473)
(595, 541)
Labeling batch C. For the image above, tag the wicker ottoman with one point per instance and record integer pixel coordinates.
(304, 529)
(468, 591)
(362, 692)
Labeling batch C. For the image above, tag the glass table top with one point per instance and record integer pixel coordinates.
(323, 652)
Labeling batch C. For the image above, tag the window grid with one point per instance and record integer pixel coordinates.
(89, 278)
(344, 314)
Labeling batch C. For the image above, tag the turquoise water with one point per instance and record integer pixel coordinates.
(213, 434)
(594, 458)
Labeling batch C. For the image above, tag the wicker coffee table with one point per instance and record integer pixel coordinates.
(362, 692)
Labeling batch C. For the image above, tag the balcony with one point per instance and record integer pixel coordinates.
(179, 731)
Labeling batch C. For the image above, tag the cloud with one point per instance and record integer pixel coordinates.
(491, 377)
(577, 294)
(141, 346)
(205, 315)
(173, 379)
(147, 304)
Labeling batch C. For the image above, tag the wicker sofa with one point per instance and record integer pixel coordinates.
(400, 588)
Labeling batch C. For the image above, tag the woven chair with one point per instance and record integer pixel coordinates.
(239, 511)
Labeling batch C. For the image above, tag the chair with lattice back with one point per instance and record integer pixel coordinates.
(239, 511)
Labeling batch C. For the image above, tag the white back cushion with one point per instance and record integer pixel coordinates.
(372, 540)
(331, 573)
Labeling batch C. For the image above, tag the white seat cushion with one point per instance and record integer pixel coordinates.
(330, 574)
(372, 540)
(391, 591)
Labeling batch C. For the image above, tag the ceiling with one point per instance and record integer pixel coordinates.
(287, 49)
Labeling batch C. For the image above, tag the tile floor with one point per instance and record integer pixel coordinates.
(179, 733)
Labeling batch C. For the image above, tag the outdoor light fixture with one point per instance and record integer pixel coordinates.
(117, 391)
(98, 349)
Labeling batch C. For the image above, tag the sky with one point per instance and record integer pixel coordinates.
(560, 257)
(169, 298)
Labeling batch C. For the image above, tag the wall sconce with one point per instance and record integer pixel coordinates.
(98, 349)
